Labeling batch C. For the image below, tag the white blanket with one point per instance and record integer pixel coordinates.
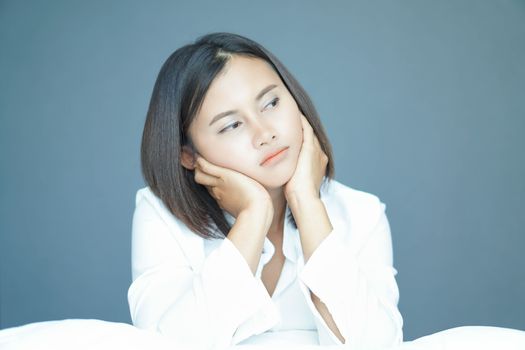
(101, 335)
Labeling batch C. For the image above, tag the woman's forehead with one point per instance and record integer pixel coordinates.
(243, 72)
(241, 82)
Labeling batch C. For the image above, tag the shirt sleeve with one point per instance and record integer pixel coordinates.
(214, 306)
(357, 286)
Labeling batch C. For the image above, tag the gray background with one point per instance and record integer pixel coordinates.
(424, 102)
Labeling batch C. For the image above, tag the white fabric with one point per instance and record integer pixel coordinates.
(91, 334)
(202, 293)
(81, 334)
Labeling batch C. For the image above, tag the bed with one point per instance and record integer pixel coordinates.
(101, 335)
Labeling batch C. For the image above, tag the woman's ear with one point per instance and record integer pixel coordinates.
(187, 158)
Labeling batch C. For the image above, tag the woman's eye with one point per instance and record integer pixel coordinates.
(273, 102)
(231, 126)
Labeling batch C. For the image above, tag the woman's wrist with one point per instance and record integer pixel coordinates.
(296, 200)
(248, 234)
(260, 213)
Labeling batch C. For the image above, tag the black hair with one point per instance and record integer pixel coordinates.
(179, 91)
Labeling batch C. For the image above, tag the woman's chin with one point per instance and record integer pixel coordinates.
(276, 182)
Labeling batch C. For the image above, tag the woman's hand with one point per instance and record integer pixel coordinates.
(302, 193)
(311, 167)
(233, 191)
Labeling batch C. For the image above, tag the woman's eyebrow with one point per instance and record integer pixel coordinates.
(258, 97)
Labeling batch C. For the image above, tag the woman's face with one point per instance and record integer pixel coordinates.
(247, 115)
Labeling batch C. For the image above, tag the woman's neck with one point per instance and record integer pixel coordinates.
(279, 211)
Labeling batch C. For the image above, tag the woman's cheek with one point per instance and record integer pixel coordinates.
(298, 128)
(217, 155)
(231, 157)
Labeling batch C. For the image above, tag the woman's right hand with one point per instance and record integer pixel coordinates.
(233, 191)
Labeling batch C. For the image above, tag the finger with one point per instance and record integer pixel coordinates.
(316, 141)
(205, 179)
(210, 191)
(320, 151)
(306, 124)
(208, 167)
(308, 134)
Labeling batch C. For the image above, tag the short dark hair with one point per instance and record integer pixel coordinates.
(179, 91)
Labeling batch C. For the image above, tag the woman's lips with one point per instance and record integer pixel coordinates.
(274, 155)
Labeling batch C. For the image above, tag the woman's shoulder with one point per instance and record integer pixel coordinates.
(361, 208)
(145, 197)
(148, 206)
(335, 191)
(145, 193)
(154, 222)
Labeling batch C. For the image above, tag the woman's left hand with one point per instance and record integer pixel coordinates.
(311, 167)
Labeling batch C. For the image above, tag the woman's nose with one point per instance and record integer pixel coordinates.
(264, 134)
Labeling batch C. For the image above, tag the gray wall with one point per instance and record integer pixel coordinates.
(424, 102)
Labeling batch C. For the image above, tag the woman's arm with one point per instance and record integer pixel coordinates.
(354, 290)
(314, 226)
(249, 232)
(197, 307)
(312, 222)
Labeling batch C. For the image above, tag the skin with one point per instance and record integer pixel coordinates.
(228, 163)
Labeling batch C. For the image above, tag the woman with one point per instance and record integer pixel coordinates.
(242, 233)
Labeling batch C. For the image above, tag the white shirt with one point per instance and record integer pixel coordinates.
(202, 294)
